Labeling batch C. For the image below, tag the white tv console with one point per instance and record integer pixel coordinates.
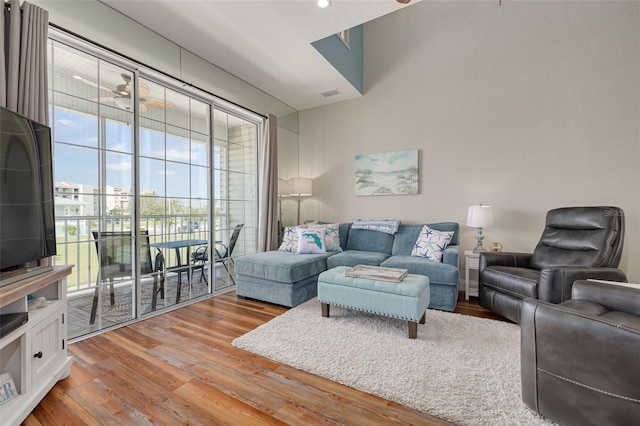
(35, 353)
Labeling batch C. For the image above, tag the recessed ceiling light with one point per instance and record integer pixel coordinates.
(323, 3)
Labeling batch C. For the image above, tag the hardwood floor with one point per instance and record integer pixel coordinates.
(180, 368)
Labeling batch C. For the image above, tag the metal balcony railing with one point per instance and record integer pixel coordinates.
(76, 245)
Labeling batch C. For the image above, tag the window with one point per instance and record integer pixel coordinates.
(180, 167)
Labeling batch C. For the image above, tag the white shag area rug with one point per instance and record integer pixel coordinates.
(462, 369)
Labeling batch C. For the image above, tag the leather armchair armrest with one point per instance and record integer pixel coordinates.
(611, 296)
(562, 348)
(555, 283)
(519, 260)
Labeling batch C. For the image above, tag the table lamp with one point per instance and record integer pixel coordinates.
(479, 217)
(300, 187)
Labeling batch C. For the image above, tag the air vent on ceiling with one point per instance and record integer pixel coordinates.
(330, 93)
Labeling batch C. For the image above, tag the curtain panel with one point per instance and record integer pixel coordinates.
(23, 63)
(268, 202)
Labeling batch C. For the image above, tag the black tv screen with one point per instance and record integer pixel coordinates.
(27, 213)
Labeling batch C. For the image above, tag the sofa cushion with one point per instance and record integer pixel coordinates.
(281, 266)
(356, 257)
(344, 234)
(289, 239)
(332, 234)
(407, 235)
(286, 294)
(367, 240)
(438, 273)
(311, 241)
(431, 244)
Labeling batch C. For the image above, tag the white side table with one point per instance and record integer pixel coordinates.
(472, 261)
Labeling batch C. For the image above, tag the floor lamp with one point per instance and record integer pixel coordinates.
(300, 187)
(283, 191)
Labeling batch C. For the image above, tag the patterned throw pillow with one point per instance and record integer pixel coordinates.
(431, 244)
(289, 240)
(311, 241)
(332, 235)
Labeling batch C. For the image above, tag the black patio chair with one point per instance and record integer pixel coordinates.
(223, 256)
(114, 251)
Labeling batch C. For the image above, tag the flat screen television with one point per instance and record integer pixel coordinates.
(27, 213)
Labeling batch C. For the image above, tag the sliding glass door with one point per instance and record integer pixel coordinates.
(174, 189)
(93, 173)
(235, 188)
(150, 181)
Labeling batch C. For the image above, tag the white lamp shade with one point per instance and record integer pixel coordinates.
(480, 216)
(300, 187)
(283, 187)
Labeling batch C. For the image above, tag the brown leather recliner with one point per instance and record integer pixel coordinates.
(577, 243)
(580, 360)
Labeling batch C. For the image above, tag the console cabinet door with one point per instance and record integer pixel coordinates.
(46, 346)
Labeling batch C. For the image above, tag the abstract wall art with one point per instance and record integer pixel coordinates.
(387, 173)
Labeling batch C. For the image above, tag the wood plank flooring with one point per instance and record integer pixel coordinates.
(180, 368)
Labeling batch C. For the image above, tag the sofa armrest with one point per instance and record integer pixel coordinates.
(555, 283)
(611, 296)
(580, 360)
(490, 258)
(451, 255)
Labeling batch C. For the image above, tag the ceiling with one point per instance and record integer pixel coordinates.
(263, 42)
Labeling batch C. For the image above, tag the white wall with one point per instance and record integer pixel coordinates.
(526, 107)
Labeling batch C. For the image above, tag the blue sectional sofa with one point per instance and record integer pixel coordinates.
(288, 279)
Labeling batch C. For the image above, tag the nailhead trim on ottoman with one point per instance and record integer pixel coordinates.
(406, 300)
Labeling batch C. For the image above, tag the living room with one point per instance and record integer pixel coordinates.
(524, 106)
(512, 101)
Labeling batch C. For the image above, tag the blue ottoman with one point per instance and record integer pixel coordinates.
(406, 300)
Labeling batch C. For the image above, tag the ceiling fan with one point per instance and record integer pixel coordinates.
(403, 1)
(121, 95)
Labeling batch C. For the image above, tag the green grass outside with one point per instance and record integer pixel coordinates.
(82, 254)
(80, 251)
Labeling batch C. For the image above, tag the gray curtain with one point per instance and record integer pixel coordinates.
(23, 63)
(268, 203)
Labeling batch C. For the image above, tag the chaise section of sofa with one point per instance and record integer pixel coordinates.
(279, 277)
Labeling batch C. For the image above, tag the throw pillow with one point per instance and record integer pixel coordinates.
(332, 234)
(311, 241)
(431, 243)
(289, 239)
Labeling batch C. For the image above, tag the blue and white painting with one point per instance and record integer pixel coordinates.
(387, 173)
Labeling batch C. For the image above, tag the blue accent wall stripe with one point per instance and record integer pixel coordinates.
(347, 61)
